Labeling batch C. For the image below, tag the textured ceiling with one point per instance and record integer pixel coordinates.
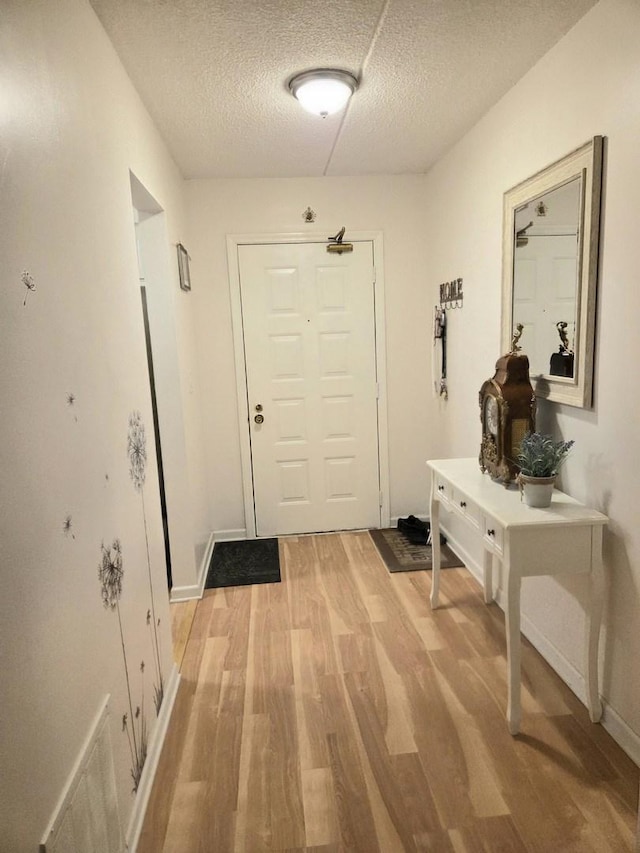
(213, 74)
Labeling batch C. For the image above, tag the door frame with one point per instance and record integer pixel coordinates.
(234, 241)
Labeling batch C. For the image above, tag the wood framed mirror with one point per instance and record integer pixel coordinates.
(551, 230)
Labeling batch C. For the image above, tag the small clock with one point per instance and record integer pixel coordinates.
(507, 413)
(491, 415)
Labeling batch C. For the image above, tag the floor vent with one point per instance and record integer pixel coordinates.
(86, 819)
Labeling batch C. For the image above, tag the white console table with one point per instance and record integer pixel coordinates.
(566, 538)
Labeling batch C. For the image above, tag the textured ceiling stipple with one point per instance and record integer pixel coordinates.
(213, 75)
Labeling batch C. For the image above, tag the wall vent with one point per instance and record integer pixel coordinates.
(86, 819)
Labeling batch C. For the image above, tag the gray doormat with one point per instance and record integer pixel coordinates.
(244, 562)
(401, 555)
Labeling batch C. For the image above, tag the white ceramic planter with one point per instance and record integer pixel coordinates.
(536, 491)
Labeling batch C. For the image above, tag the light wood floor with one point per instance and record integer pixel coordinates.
(336, 712)
(182, 616)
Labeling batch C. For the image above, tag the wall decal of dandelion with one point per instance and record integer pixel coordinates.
(137, 452)
(67, 527)
(71, 399)
(110, 574)
(27, 279)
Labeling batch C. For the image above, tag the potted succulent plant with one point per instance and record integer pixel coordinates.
(540, 458)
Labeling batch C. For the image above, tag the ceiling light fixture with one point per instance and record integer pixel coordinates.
(323, 91)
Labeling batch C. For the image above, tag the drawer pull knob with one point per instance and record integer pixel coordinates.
(463, 503)
(491, 532)
(441, 488)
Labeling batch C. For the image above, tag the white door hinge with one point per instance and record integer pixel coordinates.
(380, 498)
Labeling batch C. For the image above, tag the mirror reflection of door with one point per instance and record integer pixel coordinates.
(545, 278)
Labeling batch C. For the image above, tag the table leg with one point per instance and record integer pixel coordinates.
(594, 616)
(435, 550)
(513, 583)
(488, 577)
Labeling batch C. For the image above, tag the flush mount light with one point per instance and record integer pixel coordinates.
(323, 91)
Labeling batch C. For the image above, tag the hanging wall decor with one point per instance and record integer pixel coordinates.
(451, 295)
(183, 267)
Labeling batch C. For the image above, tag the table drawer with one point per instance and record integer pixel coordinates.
(467, 508)
(443, 489)
(493, 533)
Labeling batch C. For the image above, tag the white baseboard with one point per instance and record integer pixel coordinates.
(230, 535)
(151, 764)
(624, 736)
(394, 520)
(185, 593)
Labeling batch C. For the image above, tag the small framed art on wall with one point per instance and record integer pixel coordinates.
(183, 267)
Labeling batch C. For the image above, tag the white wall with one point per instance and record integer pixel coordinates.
(71, 128)
(393, 205)
(588, 84)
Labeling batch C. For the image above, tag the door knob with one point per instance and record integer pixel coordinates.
(259, 419)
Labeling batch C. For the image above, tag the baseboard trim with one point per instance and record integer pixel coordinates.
(611, 721)
(230, 535)
(557, 661)
(186, 593)
(151, 764)
(394, 520)
(196, 590)
(625, 737)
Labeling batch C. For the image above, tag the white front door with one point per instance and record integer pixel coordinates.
(309, 341)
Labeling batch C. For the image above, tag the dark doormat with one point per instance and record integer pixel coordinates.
(244, 562)
(401, 555)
